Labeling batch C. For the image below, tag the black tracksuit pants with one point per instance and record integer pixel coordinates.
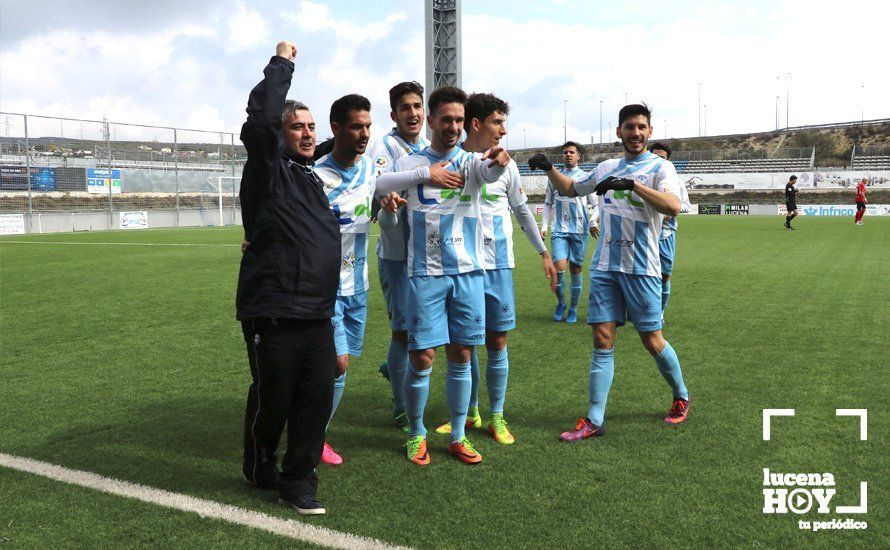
(293, 364)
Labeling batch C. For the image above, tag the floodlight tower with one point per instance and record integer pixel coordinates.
(443, 52)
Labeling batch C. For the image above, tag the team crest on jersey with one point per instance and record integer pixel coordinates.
(349, 261)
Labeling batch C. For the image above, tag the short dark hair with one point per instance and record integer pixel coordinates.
(446, 94)
(576, 145)
(481, 106)
(291, 106)
(352, 102)
(661, 146)
(401, 89)
(792, 178)
(635, 109)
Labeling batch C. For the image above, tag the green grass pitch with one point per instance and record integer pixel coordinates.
(126, 361)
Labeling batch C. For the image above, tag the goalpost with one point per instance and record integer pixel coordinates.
(220, 194)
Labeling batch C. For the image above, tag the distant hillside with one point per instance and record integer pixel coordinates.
(833, 142)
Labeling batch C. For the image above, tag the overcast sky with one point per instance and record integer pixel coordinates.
(191, 64)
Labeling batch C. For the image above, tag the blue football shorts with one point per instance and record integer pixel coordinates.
(350, 313)
(446, 309)
(614, 296)
(571, 246)
(393, 276)
(500, 302)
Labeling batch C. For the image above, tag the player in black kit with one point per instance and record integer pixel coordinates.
(790, 201)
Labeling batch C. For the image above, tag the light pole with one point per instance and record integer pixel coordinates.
(787, 78)
(777, 113)
(601, 121)
(706, 119)
(524, 142)
(665, 128)
(699, 109)
(565, 124)
(625, 97)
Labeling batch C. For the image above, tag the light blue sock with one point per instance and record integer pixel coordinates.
(339, 386)
(417, 391)
(457, 392)
(669, 366)
(496, 378)
(665, 295)
(602, 369)
(397, 359)
(474, 373)
(561, 287)
(577, 283)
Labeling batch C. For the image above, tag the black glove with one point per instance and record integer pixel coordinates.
(540, 162)
(613, 183)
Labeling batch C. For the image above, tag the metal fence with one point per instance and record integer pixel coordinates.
(54, 166)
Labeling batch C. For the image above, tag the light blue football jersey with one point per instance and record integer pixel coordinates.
(349, 192)
(630, 227)
(384, 153)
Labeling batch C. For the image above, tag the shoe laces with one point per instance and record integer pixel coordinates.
(678, 408)
(580, 424)
(469, 446)
(499, 425)
(414, 445)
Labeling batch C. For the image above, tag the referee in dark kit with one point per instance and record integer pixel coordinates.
(790, 201)
(287, 287)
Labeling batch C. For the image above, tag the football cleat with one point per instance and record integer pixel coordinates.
(474, 420)
(464, 451)
(416, 450)
(329, 456)
(572, 317)
(560, 310)
(679, 411)
(497, 426)
(583, 429)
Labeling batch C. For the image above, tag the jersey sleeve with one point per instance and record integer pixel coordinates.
(548, 195)
(381, 157)
(667, 180)
(586, 184)
(515, 196)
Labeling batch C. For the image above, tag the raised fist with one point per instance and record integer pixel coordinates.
(540, 162)
(287, 50)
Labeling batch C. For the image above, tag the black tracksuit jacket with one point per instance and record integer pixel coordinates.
(292, 267)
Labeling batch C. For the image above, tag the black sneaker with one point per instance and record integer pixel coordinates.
(304, 505)
(787, 225)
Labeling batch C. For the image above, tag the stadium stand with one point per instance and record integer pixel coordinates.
(870, 158)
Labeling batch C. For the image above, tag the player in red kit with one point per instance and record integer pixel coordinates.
(860, 201)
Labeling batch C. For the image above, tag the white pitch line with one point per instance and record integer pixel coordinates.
(204, 508)
(117, 244)
(4, 241)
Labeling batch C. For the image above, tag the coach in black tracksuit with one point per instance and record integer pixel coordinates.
(287, 287)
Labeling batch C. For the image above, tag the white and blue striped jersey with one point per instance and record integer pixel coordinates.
(497, 226)
(349, 192)
(384, 153)
(445, 236)
(669, 226)
(630, 227)
(570, 214)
